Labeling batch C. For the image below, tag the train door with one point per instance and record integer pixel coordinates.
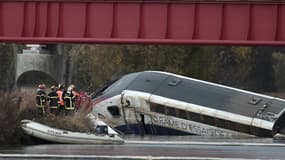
(134, 108)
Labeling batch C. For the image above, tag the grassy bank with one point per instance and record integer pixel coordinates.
(15, 107)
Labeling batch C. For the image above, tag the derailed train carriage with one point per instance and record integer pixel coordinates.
(162, 103)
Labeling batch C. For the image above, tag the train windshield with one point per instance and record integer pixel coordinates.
(120, 84)
(117, 86)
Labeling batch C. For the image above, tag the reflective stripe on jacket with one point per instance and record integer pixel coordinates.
(41, 98)
(69, 102)
(53, 102)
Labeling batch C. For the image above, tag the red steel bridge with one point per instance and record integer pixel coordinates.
(226, 22)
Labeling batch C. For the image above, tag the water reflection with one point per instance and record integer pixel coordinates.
(276, 139)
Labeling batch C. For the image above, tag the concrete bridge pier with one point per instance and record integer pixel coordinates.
(38, 64)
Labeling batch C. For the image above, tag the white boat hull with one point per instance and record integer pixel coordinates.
(50, 134)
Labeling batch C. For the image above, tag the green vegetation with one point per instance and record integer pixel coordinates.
(251, 68)
(7, 66)
(279, 68)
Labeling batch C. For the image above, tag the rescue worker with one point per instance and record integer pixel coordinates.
(41, 99)
(69, 101)
(53, 100)
(77, 97)
(60, 94)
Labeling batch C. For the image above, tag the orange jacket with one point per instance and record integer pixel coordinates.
(59, 93)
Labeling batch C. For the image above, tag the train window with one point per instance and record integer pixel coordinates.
(230, 125)
(174, 82)
(188, 115)
(171, 111)
(182, 114)
(220, 122)
(157, 108)
(114, 111)
(209, 120)
(195, 116)
(177, 113)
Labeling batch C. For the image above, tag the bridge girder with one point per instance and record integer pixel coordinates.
(143, 22)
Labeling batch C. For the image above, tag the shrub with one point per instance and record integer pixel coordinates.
(9, 118)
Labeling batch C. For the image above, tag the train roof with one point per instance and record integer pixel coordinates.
(203, 93)
(219, 85)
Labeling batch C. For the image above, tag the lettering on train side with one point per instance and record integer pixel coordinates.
(188, 126)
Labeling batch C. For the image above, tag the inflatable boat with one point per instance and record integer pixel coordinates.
(54, 135)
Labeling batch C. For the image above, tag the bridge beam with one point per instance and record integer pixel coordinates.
(143, 22)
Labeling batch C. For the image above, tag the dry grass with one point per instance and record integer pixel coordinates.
(77, 122)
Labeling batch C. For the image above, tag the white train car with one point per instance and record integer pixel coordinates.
(162, 103)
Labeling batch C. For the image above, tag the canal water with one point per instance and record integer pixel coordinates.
(158, 147)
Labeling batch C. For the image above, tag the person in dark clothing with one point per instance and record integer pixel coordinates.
(69, 101)
(41, 99)
(53, 100)
(61, 92)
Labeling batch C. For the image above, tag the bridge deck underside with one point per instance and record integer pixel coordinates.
(142, 22)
